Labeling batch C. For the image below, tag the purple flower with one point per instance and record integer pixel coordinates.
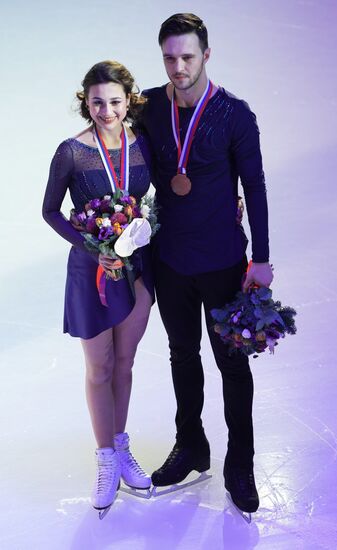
(81, 217)
(105, 206)
(95, 203)
(105, 233)
(118, 218)
(126, 199)
(91, 226)
(136, 212)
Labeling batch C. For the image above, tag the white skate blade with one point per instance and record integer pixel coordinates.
(139, 493)
(247, 516)
(159, 491)
(102, 513)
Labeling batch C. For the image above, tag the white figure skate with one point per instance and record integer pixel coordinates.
(107, 480)
(136, 481)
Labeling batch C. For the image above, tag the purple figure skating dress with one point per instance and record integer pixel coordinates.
(78, 167)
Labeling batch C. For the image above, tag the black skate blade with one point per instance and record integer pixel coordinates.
(159, 491)
(247, 516)
(135, 492)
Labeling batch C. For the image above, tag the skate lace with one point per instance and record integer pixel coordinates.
(245, 481)
(133, 464)
(104, 476)
(172, 457)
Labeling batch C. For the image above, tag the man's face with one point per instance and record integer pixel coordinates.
(183, 59)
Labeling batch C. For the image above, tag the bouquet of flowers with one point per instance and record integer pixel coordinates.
(116, 226)
(253, 322)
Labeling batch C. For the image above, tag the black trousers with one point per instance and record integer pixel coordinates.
(180, 299)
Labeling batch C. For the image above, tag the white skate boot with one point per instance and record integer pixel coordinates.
(107, 480)
(132, 474)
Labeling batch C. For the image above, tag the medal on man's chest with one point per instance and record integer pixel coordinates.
(180, 183)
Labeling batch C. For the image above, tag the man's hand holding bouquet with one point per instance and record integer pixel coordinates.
(254, 322)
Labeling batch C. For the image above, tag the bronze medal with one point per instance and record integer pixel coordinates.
(181, 185)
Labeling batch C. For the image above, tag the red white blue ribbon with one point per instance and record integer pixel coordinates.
(123, 182)
(183, 152)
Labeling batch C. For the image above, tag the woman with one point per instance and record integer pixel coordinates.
(109, 335)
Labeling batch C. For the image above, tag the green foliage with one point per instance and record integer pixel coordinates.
(149, 201)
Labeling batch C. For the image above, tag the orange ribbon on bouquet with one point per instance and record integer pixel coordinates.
(101, 283)
(101, 278)
(252, 285)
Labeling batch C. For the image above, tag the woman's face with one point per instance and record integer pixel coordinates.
(107, 104)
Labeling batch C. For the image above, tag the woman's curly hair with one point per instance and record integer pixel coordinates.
(111, 71)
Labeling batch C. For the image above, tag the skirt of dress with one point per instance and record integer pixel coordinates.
(84, 314)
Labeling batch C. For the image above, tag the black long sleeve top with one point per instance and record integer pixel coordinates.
(199, 231)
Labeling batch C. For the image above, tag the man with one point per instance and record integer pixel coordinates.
(203, 139)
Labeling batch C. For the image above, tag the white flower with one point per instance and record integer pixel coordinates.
(271, 344)
(246, 333)
(90, 213)
(106, 222)
(145, 211)
(118, 208)
(107, 197)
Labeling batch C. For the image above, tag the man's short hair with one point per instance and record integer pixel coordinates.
(184, 23)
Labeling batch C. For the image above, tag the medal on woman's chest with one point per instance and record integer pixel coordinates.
(180, 183)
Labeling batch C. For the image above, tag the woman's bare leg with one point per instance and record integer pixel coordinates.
(99, 358)
(127, 336)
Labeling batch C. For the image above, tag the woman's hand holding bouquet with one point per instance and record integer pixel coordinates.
(114, 227)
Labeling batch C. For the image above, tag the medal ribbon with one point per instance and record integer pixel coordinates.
(123, 183)
(184, 152)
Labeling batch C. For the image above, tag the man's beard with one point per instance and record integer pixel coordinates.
(190, 84)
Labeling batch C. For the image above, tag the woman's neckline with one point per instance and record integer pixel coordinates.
(96, 149)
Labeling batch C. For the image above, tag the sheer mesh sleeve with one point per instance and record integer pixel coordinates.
(60, 175)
